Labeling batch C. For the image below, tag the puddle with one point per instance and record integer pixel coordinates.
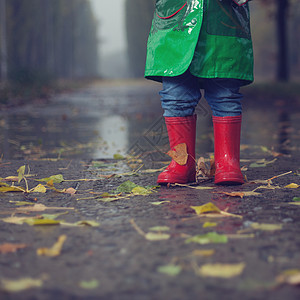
(100, 121)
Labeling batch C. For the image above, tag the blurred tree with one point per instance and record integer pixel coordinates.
(281, 14)
(3, 41)
(51, 39)
(139, 15)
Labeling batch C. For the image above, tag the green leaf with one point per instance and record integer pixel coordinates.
(209, 238)
(153, 236)
(296, 199)
(53, 216)
(55, 179)
(21, 173)
(261, 163)
(171, 270)
(118, 156)
(160, 202)
(89, 285)
(159, 228)
(139, 190)
(126, 187)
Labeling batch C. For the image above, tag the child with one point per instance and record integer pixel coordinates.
(204, 44)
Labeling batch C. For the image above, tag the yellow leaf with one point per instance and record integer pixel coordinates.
(20, 284)
(179, 154)
(55, 250)
(292, 186)
(154, 236)
(266, 227)
(291, 276)
(89, 285)
(40, 222)
(221, 270)
(210, 224)
(39, 189)
(208, 252)
(5, 189)
(206, 208)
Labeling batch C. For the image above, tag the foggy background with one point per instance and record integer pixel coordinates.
(51, 39)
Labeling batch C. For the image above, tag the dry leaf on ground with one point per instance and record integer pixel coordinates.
(11, 248)
(20, 285)
(179, 154)
(221, 270)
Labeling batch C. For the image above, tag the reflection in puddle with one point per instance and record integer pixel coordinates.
(101, 121)
(114, 131)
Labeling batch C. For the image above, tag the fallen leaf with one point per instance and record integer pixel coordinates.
(19, 285)
(206, 208)
(11, 248)
(118, 156)
(209, 238)
(159, 228)
(55, 250)
(140, 191)
(261, 163)
(292, 186)
(70, 191)
(179, 154)
(21, 203)
(126, 187)
(210, 209)
(6, 189)
(81, 223)
(206, 252)
(266, 227)
(54, 178)
(41, 207)
(171, 270)
(296, 199)
(156, 236)
(194, 187)
(210, 224)
(40, 222)
(89, 285)
(21, 173)
(291, 276)
(221, 270)
(39, 189)
(160, 202)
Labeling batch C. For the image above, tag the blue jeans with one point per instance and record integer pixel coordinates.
(181, 94)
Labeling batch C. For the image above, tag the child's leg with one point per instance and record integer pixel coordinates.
(179, 97)
(224, 99)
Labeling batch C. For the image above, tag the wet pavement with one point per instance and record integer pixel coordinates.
(78, 135)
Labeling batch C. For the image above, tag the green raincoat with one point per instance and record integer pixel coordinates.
(210, 37)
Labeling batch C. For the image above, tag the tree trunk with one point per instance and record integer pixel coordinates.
(3, 41)
(282, 56)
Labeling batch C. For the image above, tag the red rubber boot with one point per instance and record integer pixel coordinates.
(181, 130)
(227, 131)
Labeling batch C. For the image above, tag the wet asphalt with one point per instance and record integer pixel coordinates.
(78, 136)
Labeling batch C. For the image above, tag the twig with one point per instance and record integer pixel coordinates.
(137, 228)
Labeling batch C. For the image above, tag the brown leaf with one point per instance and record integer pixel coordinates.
(179, 154)
(11, 248)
